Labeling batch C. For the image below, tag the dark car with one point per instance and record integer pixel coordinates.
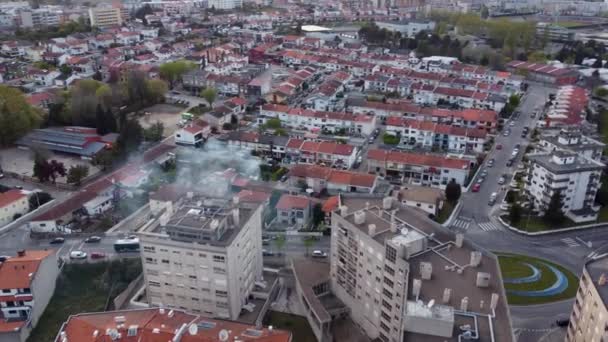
(57, 240)
(562, 322)
(92, 239)
(509, 162)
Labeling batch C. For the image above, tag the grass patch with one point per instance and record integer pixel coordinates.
(298, 325)
(512, 267)
(568, 24)
(445, 211)
(83, 288)
(537, 224)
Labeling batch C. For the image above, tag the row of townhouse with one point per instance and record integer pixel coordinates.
(430, 135)
(310, 120)
(325, 96)
(319, 178)
(468, 118)
(293, 151)
(418, 169)
(462, 98)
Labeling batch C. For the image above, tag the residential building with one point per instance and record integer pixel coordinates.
(105, 16)
(81, 141)
(544, 73)
(310, 120)
(574, 176)
(324, 153)
(39, 18)
(572, 140)
(293, 210)
(193, 135)
(159, 324)
(266, 144)
(224, 4)
(404, 278)
(205, 256)
(27, 281)
(589, 313)
(407, 28)
(13, 203)
(569, 106)
(427, 134)
(429, 200)
(418, 169)
(554, 33)
(319, 178)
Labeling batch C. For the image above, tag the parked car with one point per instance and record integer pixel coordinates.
(78, 255)
(98, 255)
(501, 180)
(267, 253)
(92, 239)
(57, 240)
(506, 132)
(3, 258)
(319, 254)
(476, 187)
(510, 162)
(484, 173)
(512, 123)
(491, 162)
(499, 146)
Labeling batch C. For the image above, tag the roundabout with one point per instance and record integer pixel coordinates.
(530, 280)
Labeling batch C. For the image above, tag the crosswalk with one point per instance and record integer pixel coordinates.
(488, 226)
(461, 223)
(570, 242)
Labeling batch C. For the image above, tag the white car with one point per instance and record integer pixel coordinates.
(319, 254)
(78, 255)
(512, 123)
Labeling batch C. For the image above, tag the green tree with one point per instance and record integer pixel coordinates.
(485, 12)
(38, 198)
(77, 173)
(390, 139)
(46, 170)
(274, 123)
(104, 159)
(515, 213)
(172, 72)
(154, 132)
(129, 137)
(65, 69)
(17, 116)
(317, 215)
(209, 94)
(554, 213)
(452, 191)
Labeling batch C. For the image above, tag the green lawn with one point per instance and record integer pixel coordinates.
(536, 224)
(568, 24)
(298, 325)
(445, 211)
(512, 267)
(83, 288)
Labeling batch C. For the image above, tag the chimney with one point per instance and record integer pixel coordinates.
(475, 258)
(236, 216)
(494, 301)
(447, 293)
(459, 240)
(602, 280)
(359, 217)
(21, 253)
(387, 203)
(426, 270)
(343, 210)
(464, 304)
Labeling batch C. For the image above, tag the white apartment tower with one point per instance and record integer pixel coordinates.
(203, 255)
(406, 279)
(576, 177)
(224, 4)
(105, 16)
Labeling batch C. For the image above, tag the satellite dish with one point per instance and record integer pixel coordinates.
(193, 329)
(223, 335)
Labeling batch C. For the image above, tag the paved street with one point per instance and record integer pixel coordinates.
(477, 221)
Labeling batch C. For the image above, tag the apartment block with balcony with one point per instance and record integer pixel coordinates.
(589, 317)
(575, 177)
(105, 16)
(404, 278)
(572, 140)
(27, 283)
(204, 256)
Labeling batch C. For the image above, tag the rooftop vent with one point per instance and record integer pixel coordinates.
(120, 319)
(447, 293)
(387, 203)
(132, 331)
(464, 304)
(483, 279)
(494, 301)
(21, 253)
(459, 240)
(359, 217)
(371, 229)
(426, 270)
(475, 258)
(416, 285)
(343, 210)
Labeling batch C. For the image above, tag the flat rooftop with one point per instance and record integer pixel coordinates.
(580, 164)
(595, 269)
(214, 221)
(451, 265)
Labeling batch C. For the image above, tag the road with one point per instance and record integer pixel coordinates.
(477, 220)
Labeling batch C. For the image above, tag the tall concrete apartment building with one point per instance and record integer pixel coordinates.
(405, 278)
(589, 318)
(224, 4)
(203, 254)
(105, 16)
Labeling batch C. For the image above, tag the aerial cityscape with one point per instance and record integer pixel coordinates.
(303, 171)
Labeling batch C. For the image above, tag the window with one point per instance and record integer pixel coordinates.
(219, 270)
(391, 254)
(154, 283)
(218, 258)
(220, 293)
(389, 270)
(165, 261)
(388, 282)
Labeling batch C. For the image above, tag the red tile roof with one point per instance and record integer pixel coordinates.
(331, 204)
(154, 326)
(253, 196)
(333, 175)
(11, 196)
(17, 272)
(288, 202)
(417, 159)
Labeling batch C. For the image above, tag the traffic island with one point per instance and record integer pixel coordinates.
(530, 280)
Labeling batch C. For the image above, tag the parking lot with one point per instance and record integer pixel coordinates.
(168, 114)
(20, 162)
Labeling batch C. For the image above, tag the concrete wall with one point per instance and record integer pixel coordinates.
(43, 286)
